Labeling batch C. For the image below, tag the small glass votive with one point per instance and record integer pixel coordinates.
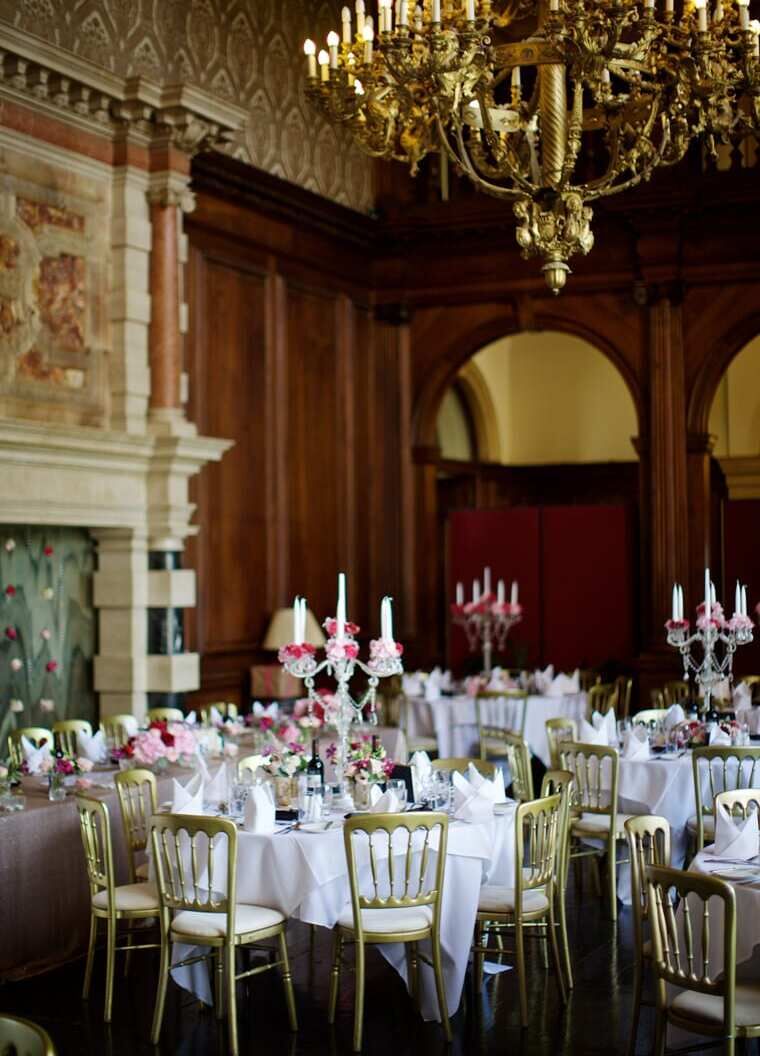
(398, 785)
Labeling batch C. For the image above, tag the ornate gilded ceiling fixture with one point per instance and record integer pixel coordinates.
(548, 103)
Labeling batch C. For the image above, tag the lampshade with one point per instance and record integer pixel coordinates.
(280, 630)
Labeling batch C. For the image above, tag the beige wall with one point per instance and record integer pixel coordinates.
(557, 399)
(453, 433)
(735, 413)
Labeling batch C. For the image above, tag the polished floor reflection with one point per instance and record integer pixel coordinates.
(595, 1021)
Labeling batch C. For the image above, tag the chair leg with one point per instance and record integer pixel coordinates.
(110, 965)
(359, 997)
(612, 877)
(477, 961)
(595, 880)
(440, 989)
(555, 953)
(128, 953)
(90, 956)
(413, 972)
(287, 982)
(562, 913)
(219, 982)
(729, 1046)
(229, 958)
(544, 948)
(163, 979)
(520, 966)
(335, 976)
(660, 1030)
(637, 980)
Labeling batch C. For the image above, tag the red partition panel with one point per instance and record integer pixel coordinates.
(508, 541)
(587, 585)
(741, 532)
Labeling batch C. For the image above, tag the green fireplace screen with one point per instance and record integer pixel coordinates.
(47, 625)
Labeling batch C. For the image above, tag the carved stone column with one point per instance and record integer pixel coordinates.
(704, 550)
(169, 197)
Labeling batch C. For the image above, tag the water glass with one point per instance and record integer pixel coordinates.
(441, 790)
(398, 785)
(238, 796)
(744, 734)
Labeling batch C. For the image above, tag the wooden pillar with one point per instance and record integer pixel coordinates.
(165, 343)
(703, 548)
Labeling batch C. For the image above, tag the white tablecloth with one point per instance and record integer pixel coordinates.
(304, 876)
(455, 724)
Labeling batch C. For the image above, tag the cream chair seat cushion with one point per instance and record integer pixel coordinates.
(708, 824)
(599, 824)
(214, 925)
(142, 871)
(708, 1008)
(129, 897)
(389, 921)
(494, 898)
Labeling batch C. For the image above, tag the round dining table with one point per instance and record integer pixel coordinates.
(303, 874)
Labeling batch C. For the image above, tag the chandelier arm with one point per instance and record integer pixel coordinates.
(464, 162)
(605, 184)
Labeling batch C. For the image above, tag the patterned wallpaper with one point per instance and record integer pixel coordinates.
(248, 51)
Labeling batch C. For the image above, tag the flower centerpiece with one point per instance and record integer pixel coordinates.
(488, 618)
(58, 767)
(367, 763)
(695, 734)
(284, 758)
(158, 746)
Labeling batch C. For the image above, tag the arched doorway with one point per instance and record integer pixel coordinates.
(562, 421)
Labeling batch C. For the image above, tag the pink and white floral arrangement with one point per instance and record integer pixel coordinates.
(366, 760)
(160, 744)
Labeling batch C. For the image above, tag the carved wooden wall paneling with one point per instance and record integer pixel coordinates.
(249, 52)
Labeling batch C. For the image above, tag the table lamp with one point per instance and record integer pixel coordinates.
(280, 630)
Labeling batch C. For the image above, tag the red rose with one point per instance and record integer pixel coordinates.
(10, 590)
(48, 551)
(51, 665)
(167, 738)
(267, 722)
(351, 650)
(12, 633)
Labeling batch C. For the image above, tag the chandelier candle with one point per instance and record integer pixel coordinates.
(487, 619)
(341, 662)
(715, 637)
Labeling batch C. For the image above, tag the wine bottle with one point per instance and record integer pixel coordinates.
(315, 771)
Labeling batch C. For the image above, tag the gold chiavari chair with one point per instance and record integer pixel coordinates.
(602, 697)
(226, 710)
(719, 769)
(397, 903)
(595, 771)
(414, 742)
(648, 844)
(675, 692)
(117, 729)
(36, 735)
(588, 678)
(520, 696)
(165, 715)
(647, 715)
(461, 764)
(624, 687)
(657, 699)
(694, 990)
(21, 1037)
(127, 902)
(558, 730)
(138, 802)
(560, 782)
(185, 848)
(65, 734)
(530, 901)
(740, 802)
(514, 749)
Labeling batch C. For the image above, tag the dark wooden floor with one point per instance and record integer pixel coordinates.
(595, 1021)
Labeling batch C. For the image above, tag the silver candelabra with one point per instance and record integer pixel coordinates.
(715, 637)
(486, 622)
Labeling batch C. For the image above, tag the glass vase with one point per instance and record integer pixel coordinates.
(56, 788)
(285, 791)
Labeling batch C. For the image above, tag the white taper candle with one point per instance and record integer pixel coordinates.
(486, 580)
(476, 590)
(360, 17)
(744, 601)
(310, 51)
(513, 596)
(460, 594)
(296, 620)
(674, 604)
(341, 610)
(500, 592)
(707, 593)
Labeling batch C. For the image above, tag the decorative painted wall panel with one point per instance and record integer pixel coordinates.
(47, 627)
(247, 51)
(53, 275)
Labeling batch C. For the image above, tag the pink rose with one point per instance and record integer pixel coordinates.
(51, 665)
(48, 551)
(84, 764)
(45, 634)
(46, 704)
(11, 633)
(10, 545)
(10, 590)
(82, 784)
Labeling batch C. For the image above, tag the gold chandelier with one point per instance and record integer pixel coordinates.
(548, 103)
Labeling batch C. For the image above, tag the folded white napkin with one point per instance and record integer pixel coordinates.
(188, 799)
(588, 734)
(737, 840)
(412, 685)
(493, 790)
(420, 766)
(383, 802)
(215, 716)
(636, 744)
(34, 757)
(259, 810)
(608, 723)
(269, 711)
(191, 718)
(217, 786)
(468, 804)
(564, 684)
(543, 679)
(674, 716)
(446, 681)
(92, 747)
(433, 685)
(719, 737)
(742, 697)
